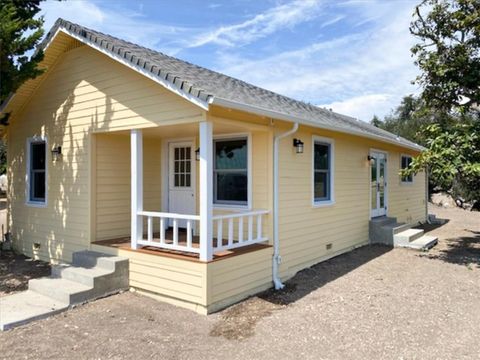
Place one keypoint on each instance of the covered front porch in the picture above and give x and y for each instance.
(194, 191)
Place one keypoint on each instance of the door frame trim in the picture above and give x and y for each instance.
(165, 168)
(374, 150)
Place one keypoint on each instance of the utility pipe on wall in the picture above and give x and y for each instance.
(276, 251)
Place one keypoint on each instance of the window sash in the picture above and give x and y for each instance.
(33, 171)
(327, 171)
(243, 172)
(405, 163)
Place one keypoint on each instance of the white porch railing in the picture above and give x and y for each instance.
(239, 230)
(175, 243)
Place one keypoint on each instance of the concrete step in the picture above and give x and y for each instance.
(85, 276)
(423, 243)
(90, 259)
(65, 291)
(92, 276)
(383, 220)
(26, 306)
(398, 228)
(407, 236)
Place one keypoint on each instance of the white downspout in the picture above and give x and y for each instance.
(276, 252)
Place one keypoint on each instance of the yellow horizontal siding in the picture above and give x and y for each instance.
(233, 279)
(85, 92)
(175, 278)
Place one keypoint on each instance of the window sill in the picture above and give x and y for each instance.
(320, 204)
(227, 207)
(36, 204)
(406, 183)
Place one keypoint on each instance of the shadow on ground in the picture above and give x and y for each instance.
(238, 322)
(16, 270)
(464, 250)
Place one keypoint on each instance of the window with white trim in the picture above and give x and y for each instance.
(37, 150)
(230, 171)
(322, 171)
(405, 163)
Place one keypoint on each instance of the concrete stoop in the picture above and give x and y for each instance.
(91, 275)
(386, 230)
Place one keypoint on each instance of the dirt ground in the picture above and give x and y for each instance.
(16, 270)
(373, 303)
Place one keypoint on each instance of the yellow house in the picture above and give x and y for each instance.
(214, 189)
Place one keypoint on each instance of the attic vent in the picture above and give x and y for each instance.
(328, 246)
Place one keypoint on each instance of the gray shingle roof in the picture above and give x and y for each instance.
(211, 86)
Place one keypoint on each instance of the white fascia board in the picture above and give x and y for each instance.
(166, 84)
(274, 114)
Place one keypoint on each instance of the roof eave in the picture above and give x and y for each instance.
(281, 116)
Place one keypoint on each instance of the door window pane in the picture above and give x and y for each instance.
(182, 166)
(374, 183)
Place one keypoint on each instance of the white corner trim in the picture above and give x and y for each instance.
(166, 84)
(331, 142)
(28, 202)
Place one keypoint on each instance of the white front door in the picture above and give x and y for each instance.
(181, 179)
(378, 183)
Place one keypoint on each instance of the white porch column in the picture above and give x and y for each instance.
(136, 151)
(206, 191)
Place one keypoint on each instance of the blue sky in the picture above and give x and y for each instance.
(349, 55)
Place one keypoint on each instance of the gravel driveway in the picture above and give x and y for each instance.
(373, 303)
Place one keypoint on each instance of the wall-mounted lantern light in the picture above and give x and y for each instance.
(370, 159)
(298, 146)
(56, 153)
(197, 154)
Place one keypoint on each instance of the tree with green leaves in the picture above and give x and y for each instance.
(408, 119)
(448, 53)
(20, 33)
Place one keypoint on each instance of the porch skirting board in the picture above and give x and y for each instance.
(199, 309)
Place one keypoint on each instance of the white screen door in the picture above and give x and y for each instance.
(378, 183)
(181, 180)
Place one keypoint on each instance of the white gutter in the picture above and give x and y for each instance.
(281, 116)
(276, 243)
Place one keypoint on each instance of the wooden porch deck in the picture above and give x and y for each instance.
(124, 244)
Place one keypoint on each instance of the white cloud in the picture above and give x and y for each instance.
(362, 107)
(364, 73)
(260, 25)
(125, 24)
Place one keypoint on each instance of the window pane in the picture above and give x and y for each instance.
(321, 156)
(177, 180)
(321, 186)
(38, 186)
(38, 156)
(187, 180)
(232, 187)
(187, 153)
(231, 154)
